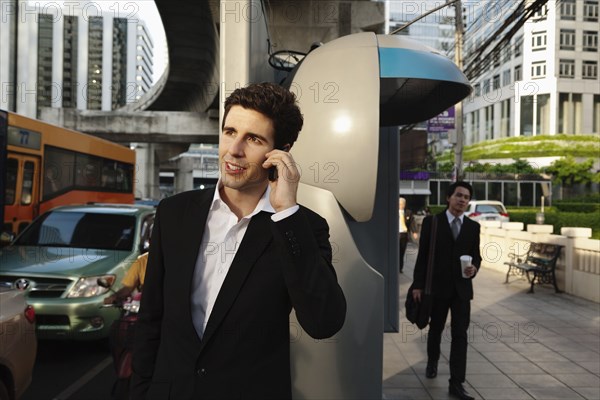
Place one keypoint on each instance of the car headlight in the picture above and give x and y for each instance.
(88, 287)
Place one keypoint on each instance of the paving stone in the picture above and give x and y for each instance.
(553, 394)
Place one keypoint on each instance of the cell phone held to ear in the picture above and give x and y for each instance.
(273, 175)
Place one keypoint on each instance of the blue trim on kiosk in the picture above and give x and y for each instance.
(408, 63)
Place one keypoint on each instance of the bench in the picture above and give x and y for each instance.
(540, 260)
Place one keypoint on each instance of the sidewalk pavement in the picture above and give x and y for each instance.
(521, 345)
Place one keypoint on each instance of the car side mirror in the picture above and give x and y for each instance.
(7, 238)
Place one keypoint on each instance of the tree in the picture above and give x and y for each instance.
(569, 172)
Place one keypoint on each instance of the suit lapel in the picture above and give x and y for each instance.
(444, 226)
(192, 228)
(255, 240)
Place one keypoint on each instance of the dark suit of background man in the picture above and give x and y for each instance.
(450, 290)
(226, 267)
(404, 221)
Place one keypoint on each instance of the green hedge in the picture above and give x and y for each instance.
(588, 198)
(557, 218)
(577, 207)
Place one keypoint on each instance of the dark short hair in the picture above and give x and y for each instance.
(273, 101)
(452, 188)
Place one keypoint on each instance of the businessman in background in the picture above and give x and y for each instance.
(456, 235)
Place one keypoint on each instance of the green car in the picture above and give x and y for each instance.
(59, 258)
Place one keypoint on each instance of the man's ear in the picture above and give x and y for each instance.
(286, 147)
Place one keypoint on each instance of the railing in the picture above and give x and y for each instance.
(578, 268)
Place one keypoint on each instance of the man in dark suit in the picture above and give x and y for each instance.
(226, 266)
(456, 235)
(404, 221)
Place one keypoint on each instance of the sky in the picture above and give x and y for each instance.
(142, 9)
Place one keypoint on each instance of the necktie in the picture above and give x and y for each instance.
(455, 227)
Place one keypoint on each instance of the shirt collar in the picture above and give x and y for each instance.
(264, 204)
(451, 217)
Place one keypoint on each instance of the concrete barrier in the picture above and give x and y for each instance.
(578, 268)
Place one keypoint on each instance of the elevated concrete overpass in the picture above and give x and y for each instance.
(183, 106)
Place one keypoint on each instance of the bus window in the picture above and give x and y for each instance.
(58, 171)
(12, 167)
(87, 171)
(27, 185)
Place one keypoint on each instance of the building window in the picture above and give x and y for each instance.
(496, 82)
(487, 85)
(567, 39)
(119, 64)
(475, 126)
(566, 69)
(568, 10)
(94, 89)
(527, 115)
(538, 41)
(518, 73)
(489, 122)
(589, 70)
(507, 53)
(496, 59)
(505, 118)
(538, 69)
(541, 13)
(590, 10)
(518, 46)
(590, 41)
(477, 90)
(44, 72)
(70, 83)
(506, 78)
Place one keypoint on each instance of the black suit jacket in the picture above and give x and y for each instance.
(447, 273)
(244, 352)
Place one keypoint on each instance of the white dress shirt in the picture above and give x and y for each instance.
(401, 222)
(222, 237)
(451, 218)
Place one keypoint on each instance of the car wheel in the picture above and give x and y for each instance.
(3, 392)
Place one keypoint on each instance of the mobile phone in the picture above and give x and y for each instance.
(273, 170)
(273, 174)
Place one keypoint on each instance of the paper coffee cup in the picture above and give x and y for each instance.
(465, 261)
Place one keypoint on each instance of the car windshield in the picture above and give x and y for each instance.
(489, 209)
(80, 229)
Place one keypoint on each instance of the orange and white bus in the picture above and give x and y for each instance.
(44, 166)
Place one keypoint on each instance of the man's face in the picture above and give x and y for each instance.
(458, 202)
(402, 204)
(246, 137)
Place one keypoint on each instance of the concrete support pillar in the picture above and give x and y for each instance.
(146, 172)
(184, 177)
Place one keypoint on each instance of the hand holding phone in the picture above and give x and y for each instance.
(273, 175)
(283, 191)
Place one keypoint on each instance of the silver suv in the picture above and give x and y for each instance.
(57, 261)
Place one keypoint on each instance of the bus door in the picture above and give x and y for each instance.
(21, 202)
